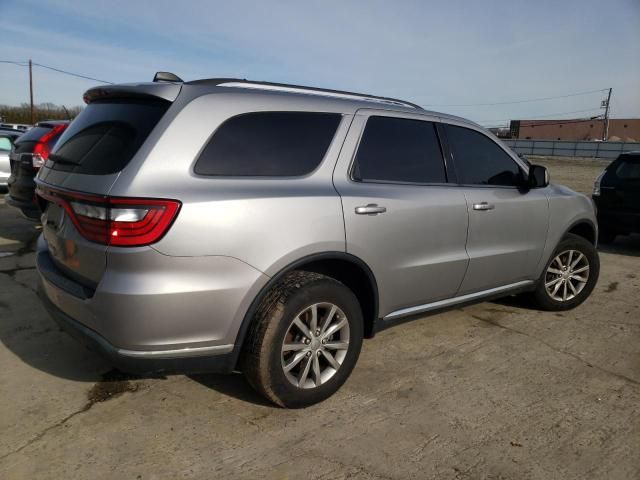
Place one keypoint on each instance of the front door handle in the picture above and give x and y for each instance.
(483, 206)
(371, 209)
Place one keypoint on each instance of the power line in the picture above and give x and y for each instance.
(26, 64)
(72, 74)
(22, 64)
(517, 101)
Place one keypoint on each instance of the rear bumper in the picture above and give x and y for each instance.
(217, 359)
(619, 221)
(154, 313)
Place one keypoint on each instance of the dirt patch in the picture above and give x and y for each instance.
(613, 286)
(113, 384)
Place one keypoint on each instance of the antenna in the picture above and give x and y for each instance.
(166, 77)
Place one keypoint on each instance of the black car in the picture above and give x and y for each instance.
(616, 193)
(28, 154)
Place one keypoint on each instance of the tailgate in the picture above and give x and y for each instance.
(81, 259)
(82, 168)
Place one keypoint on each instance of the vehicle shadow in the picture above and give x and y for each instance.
(37, 341)
(622, 245)
(233, 385)
(17, 232)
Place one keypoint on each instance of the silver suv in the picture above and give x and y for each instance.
(220, 225)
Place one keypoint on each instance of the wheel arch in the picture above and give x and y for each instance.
(584, 228)
(344, 267)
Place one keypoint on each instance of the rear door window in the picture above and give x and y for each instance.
(399, 150)
(276, 144)
(105, 136)
(480, 161)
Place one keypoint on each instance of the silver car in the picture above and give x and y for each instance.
(220, 225)
(7, 137)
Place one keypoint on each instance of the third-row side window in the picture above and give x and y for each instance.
(399, 150)
(273, 144)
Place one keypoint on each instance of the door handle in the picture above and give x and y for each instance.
(371, 209)
(483, 206)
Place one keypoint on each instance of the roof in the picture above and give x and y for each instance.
(170, 89)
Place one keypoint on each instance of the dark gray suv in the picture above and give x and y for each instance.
(221, 225)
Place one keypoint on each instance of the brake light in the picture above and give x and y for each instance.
(42, 150)
(124, 222)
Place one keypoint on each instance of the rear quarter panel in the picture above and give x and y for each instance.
(264, 222)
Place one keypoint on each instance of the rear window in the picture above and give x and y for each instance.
(33, 134)
(277, 144)
(629, 168)
(106, 136)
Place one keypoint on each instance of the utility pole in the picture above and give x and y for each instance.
(605, 130)
(31, 89)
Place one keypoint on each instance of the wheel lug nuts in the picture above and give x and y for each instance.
(324, 340)
(317, 332)
(307, 341)
(308, 354)
(318, 353)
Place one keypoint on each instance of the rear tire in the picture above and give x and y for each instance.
(570, 275)
(281, 344)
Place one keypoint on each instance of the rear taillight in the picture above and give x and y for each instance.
(596, 184)
(42, 149)
(124, 222)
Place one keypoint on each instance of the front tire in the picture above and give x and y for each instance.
(304, 341)
(570, 275)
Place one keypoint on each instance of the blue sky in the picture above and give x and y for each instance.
(435, 53)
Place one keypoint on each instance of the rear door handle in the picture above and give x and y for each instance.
(371, 209)
(483, 206)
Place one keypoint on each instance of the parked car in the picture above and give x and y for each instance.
(28, 154)
(7, 137)
(616, 193)
(221, 225)
(15, 126)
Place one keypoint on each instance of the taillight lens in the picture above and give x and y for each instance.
(596, 184)
(41, 150)
(124, 222)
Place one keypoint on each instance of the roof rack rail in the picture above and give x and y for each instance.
(284, 87)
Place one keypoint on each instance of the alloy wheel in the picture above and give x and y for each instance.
(567, 275)
(315, 345)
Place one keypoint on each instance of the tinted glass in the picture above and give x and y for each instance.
(33, 134)
(480, 161)
(629, 168)
(105, 137)
(399, 150)
(268, 144)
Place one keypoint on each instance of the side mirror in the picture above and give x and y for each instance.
(538, 176)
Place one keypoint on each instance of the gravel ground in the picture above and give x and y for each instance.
(488, 391)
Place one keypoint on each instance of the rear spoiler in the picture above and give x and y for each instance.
(161, 91)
